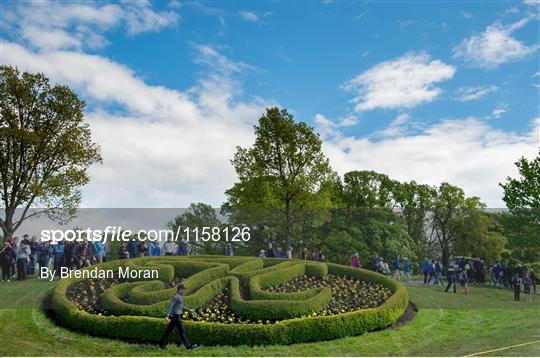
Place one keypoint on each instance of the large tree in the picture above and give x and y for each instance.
(522, 223)
(45, 149)
(524, 192)
(478, 234)
(415, 201)
(198, 216)
(284, 175)
(367, 189)
(367, 222)
(447, 210)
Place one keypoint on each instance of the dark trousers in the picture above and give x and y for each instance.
(22, 266)
(57, 263)
(450, 283)
(6, 270)
(174, 322)
(43, 261)
(516, 295)
(31, 265)
(425, 276)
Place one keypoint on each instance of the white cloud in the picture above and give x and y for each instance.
(348, 121)
(169, 148)
(499, 111)
(174, 4)
(495, 46)
(467, 152)
(328, 128)
(465, 94)
(249, 16)
(50, 25)
(325, 126)
(208, 56)
(140, 17)
(537, 85)
(51, 39)
(396, 127)
(404, 82)
(359, 16)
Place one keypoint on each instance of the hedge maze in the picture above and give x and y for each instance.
(237, 300)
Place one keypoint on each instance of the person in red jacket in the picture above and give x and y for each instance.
(355, 261)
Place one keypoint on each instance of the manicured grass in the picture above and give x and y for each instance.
(446, 324)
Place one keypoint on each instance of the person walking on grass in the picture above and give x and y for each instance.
(174, 315)
(424, 266)
(407, 270)
(451, 278)
(7, 258)
(516, 284)
(464, 282)
(533, 280)
(438, 268)
(23, 253)
(396, 266)
(527, 283)
(431, 276)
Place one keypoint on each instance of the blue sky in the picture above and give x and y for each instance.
(426, 91)
(303, 52)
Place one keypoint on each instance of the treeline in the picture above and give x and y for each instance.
(288, 194)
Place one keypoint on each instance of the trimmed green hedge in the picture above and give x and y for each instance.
(130, 324)
(283, 275)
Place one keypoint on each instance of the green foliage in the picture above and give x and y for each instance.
(366, 231)
(199, 215)
(522, 224)
(367, 189)
(283, 177)
(447, 209)
(45, 148)
(479, 235)
(525, 191)
(135, 321)
(415, 202)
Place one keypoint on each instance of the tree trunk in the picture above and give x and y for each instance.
(7, 224)
(288, 221)
(445, 252)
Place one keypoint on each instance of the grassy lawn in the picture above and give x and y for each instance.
(446, 324)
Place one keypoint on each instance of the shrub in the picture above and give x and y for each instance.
(137, 305)
(279, 276)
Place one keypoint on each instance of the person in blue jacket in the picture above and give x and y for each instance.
(228, 250)
(99, 251)
(58, 255)
(424, 266)
(438, 268)
(133, 248)
(396, 267)
(154, 249)
(431, 272)
(374, 262)
(407, 270)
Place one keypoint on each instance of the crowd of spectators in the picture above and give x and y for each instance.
(461, 271)
(20, 256)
